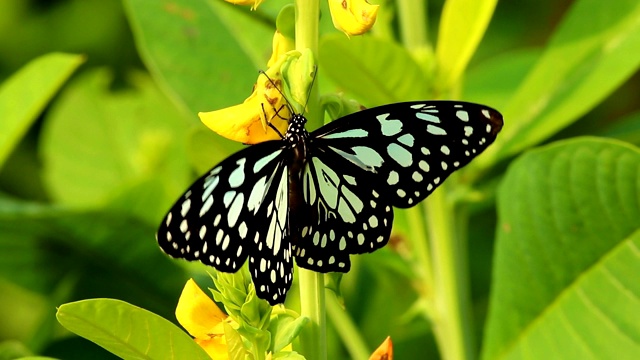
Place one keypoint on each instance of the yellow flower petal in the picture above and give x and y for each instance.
(384, 351)
(216, 347)
(248, 122)
(280, 46)
(254, 3)
(353, 17)
(198, 314)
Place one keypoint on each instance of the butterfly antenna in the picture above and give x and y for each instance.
(280, 91)
(313, 81)
(270, 124)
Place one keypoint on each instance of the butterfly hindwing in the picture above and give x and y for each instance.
(237, 209)
(411, 147)
(271, 263)
(346, 213)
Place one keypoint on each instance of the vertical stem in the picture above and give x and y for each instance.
(346, 328)
(313, 338)
(453, 328)
(413, 23)
(414, 29)
(451, 308)
(312, 296)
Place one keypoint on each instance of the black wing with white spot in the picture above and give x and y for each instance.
(237, 210)
(409, 148)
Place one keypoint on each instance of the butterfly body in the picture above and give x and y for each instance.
(320, 197)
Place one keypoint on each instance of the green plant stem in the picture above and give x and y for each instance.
(414, 29)
(452, 325)
(420, 249)
(347, 330)
(313, 339)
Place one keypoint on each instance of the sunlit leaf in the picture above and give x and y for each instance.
(583, 63)
(128, 331)
(284, 329)
(462, 26)
(201, 61)
(26, 93)
(376, 71)
(97, 143)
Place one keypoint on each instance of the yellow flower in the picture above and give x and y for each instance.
(254, 3)
(384, 351)
(353, 17)
(249, 122)
(200, 316)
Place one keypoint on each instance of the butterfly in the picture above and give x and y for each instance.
(319, 197)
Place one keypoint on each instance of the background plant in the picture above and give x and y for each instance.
(90, 163)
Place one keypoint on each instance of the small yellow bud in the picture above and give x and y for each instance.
(254, 3)
(353, 17)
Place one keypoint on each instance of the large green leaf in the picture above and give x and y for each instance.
(128, 331)
(566, 266)
(201, 57)
(97, 143)
(462, 26)
(26, 93)
(595, 49)
(376, 71)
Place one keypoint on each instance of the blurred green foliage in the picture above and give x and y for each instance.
(89, 163)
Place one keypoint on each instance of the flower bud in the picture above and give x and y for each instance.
(353, 17)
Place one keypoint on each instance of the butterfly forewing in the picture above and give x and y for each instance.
(238, 209)
(363, 164)
(412, 147)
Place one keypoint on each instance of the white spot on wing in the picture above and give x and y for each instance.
(462, 115)
(435, 130)
(186, 205)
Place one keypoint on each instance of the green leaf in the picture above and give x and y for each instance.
(128, 331)
(187, 45)
(257, 43)
(97, 143)
(235, 346)
(259, 339)
(288, 355)
(284, 328)
(493, 81)
(565, 274)
(462, 26)
(376, 71)
(583, 63)
(27, 92)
